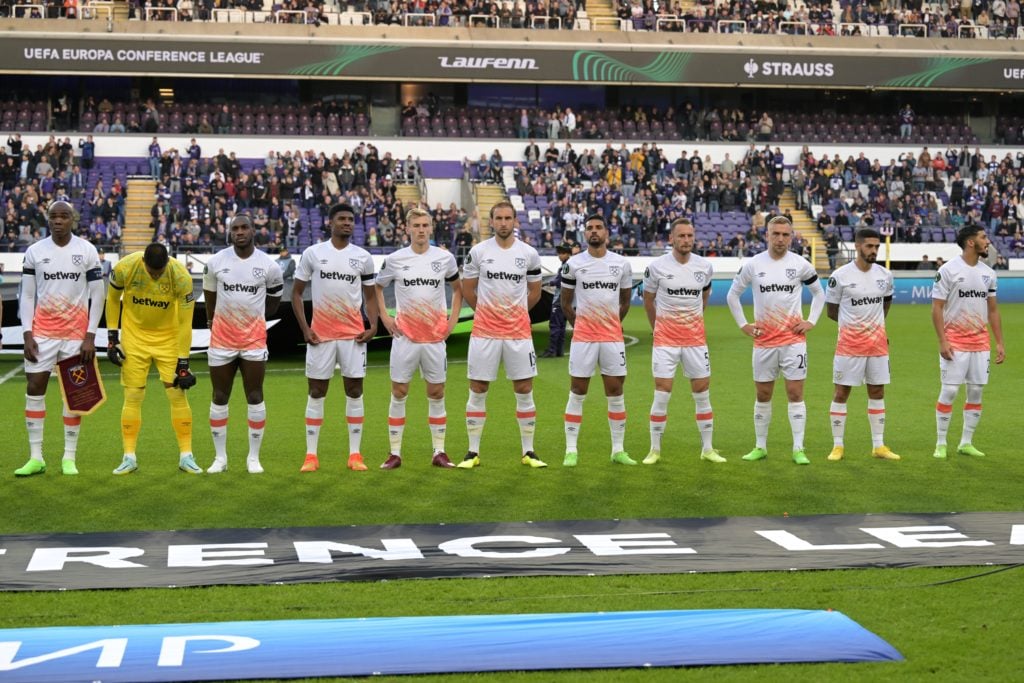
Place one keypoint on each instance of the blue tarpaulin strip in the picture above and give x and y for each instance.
(419, 645)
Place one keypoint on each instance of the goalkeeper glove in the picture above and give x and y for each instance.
(115, 352)
(183, 378)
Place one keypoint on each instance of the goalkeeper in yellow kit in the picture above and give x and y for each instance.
(152, 297)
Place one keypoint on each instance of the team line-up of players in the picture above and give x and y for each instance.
(149, 305)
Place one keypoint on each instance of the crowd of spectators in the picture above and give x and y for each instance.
(982, 18)
(922, 196)
(947, 19)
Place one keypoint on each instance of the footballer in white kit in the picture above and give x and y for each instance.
(596, 290)
(421, 274)
(676, 290)
(60, 303)
(340, 275)
(501, 281)
(242, 289)
(858, 298)
(778, 277)
(963, 307)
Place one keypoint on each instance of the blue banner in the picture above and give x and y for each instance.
(908, 290)
(416, 645)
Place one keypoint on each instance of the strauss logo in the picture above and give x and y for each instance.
(751, 68)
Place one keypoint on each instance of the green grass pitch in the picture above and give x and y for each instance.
(948, 631)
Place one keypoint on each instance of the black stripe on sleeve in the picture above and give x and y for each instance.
(452, 278)
(535, 271)
(275, 290)
(369, 277)
(28, 271)
(568, 281)
(811, 280)
(93, 274)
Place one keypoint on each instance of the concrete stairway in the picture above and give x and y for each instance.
(137, 232)
(486, 197)
(804, 224)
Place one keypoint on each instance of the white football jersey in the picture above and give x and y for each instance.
(678, 290)
(242, 287)
(422, 307)
(966, 290)
(336, 277)
(778, 293)
(501, 292)
(597, 282)
(861, 297)
(60, 276)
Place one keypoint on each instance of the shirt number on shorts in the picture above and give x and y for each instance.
(533, 359)
(803, 360)
(623, 355)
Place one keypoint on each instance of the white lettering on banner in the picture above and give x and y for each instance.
(923, 537)
(172, 653)
(604, 545)
(111, 654)
(502, 63)
(1017, 534)
(54, 559)
(1013, 74)
(465, 547)
(132, 55)
(319, 552)
(792, 542)
(216, 555)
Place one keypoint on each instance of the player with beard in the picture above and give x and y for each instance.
(963, 307)
(599, 282)
(242, 288)
(858, 298)
(501, 283)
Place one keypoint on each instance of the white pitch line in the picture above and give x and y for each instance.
(10, 374)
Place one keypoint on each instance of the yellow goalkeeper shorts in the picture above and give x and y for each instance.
(139, 357)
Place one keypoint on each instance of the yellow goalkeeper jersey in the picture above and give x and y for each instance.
(151, 312)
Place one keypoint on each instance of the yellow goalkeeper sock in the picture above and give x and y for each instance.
(181, 418)
(131, 417)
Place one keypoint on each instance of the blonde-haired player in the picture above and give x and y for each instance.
(422, 323)
(151, 297)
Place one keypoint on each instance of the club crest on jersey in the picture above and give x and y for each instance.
(436, 266)
(614, 270)
(78, 259)
(881, 284)
(164, 288)
(258, 272)
(354, 263)
(699, 277)
(520, 262)
(986, 279)
(791, 273)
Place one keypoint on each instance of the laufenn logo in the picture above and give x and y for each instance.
(502, 63)
(146, 301)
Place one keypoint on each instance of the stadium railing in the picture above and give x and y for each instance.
(160, 13)
(99, 9)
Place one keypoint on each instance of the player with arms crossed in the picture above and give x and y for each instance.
(778, 277)
(61, 302)
(340, 275)
(963, 306)
(420, 327)
(501, 282)
(858, 298)
(599, 282)
(676, 290)
(243, 288)
(151, 295)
